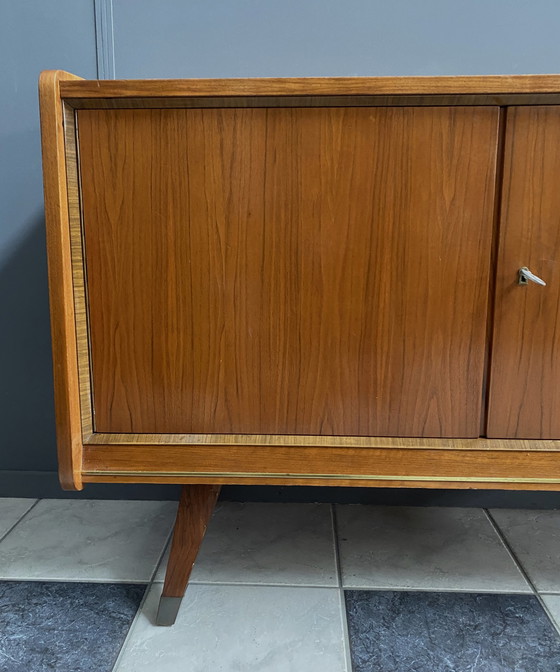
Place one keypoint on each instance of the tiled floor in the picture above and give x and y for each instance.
(280, 588)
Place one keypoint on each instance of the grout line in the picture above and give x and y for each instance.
(521, 569)
(437, 589)
(335, 546)
(342, 599)
(160, 558)
(149, 587)
(18, 521)
(263, 584)
(548, 612)
(120, 654)
(345, 632)
(84, 579)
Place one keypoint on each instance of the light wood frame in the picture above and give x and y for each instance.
(87, 456)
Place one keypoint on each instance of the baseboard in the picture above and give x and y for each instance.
(495, 499)
(44, 484)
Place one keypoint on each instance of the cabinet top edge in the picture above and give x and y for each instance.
(306, 86)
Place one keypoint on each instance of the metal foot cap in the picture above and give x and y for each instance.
(168, 610)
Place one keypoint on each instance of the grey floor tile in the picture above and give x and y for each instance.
(84, 540)
(11, 510)
(71, 627)
(552, 603)
(450, 632)
(162, 566)
(424, 549)
(534, 537)
(274, 544)
(229, 628)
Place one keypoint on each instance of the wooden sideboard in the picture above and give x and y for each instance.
(303, 281)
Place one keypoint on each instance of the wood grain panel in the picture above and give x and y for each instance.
(288, 271)
(196, 506)
(457, 99)
(525, 372)
(319, 465)
(310, 86)
(352, 442)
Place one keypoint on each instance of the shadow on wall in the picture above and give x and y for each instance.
(28, 430)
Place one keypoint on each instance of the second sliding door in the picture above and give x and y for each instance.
(288, 270)
(526, 341)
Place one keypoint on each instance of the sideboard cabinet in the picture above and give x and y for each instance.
(348, 281)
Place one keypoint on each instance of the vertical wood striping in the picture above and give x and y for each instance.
(289, 271)
(78, 272)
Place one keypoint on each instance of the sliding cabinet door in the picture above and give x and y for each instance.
(525, 373)
(317, 271)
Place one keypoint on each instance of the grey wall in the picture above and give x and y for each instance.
(268, 38)
(33, 36)
(207, 38)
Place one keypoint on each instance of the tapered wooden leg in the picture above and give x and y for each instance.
(196, 505)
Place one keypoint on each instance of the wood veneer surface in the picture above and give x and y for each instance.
(288, 271)
(308, 86)
(63, 330)
(525, 372)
